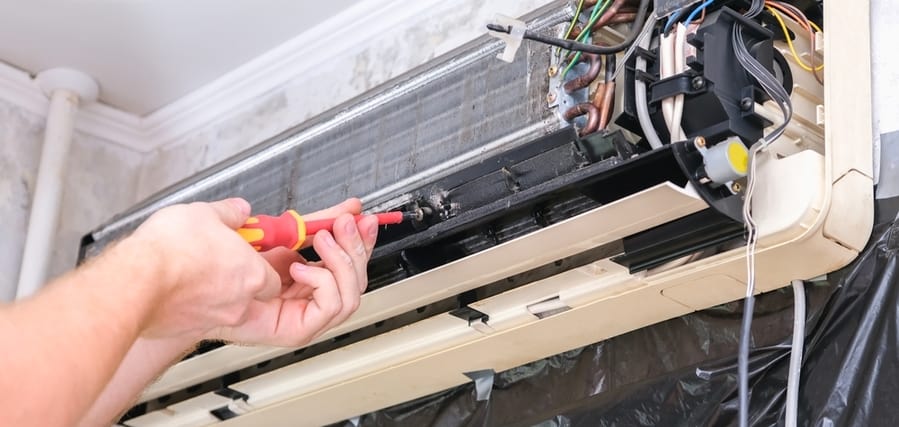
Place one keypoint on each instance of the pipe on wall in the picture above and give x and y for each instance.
(67, 89)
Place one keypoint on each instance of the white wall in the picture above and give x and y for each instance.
(21, 133)
(101, 180)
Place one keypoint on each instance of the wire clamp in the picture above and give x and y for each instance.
(512, 38)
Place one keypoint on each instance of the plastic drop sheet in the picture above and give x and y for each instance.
(682, 372)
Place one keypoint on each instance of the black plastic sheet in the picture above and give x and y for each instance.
(682, 372)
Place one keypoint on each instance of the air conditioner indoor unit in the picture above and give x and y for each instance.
(554, 225)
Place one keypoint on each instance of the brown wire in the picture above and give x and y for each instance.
(812, 43)
(797, 16)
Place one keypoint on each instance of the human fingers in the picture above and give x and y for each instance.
(281, 258)
(351, 206)
(342, 267)
(232, 212)
(346, 233)
(271, 285)
(303, 318)
(368, 229)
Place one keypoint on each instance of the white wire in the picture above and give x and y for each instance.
(680, 65)
(649, 132)
(666, 69)
(792, 412)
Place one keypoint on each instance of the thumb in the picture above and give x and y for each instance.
(233, 212)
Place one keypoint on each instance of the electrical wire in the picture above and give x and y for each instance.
(778, 94)
(577, 14)
(649, 132)
(666, 70)
(797, 15)
(672, 19)
(582, 47)
(755, 8)
(696, 11)
(773, 88)
(644, 32)
(783, 26)
(792, 406)
(680, 65)
(749, 300)
(597, 11)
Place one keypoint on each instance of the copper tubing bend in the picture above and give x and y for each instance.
(585, 79)
(609, 14)
(592, 117)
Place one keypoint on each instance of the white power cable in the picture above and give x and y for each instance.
(792, 412)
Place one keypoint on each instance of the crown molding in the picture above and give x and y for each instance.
(307, 52)
(107, 123)
(227, 95)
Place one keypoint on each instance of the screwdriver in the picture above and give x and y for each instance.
(290, 230)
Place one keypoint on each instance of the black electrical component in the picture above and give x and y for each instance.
(719, 95)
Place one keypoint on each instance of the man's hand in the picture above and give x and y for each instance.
(214, 285)
(314, 297)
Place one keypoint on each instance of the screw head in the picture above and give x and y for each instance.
(697, 83)
(699, 141)
(552, 71)
(550, 97)
(736, 187)
(746, 104)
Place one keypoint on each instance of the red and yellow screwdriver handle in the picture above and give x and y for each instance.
(266, 232)
(290, 229)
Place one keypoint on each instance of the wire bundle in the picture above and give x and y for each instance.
(799, 17)
(578, 46)
(779, 95)
(584, 35)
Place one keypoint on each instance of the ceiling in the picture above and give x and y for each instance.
(148, 53)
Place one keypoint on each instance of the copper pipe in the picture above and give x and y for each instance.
(623, 18)
(609, 14)
(599, 95)
(592, 117)
(585, 79)
(605, 114)
(620, 18)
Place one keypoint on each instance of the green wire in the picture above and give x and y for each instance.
(594, 16)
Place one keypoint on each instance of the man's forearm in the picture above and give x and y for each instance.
(63, 345)
(145, 361)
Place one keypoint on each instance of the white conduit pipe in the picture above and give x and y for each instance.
(66, 89)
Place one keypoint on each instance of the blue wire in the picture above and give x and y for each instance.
(671, 19)
(696, 11)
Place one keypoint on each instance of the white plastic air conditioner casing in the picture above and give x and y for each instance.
(815, 213)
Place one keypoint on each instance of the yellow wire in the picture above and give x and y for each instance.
(577, 13)
(783, 26)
